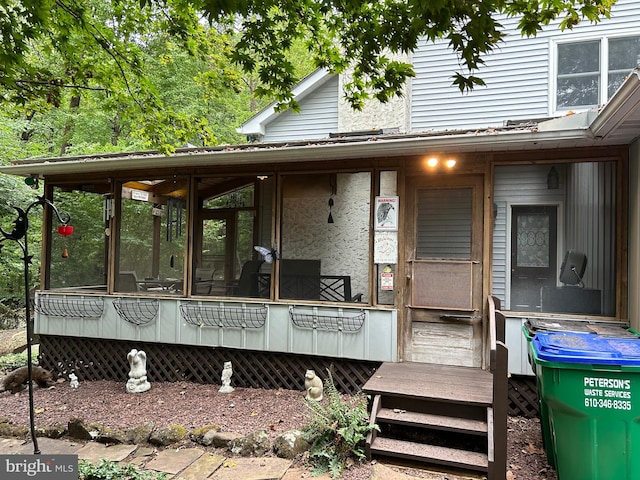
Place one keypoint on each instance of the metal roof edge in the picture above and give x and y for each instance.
(308, 152)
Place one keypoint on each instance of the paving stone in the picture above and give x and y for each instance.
(296, 473)
(94, 452)
(174, 461)
(252, 469)
(201, 468)
(50, 446)
(142, 455)
(11, 445)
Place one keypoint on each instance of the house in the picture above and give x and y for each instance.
(355, 240)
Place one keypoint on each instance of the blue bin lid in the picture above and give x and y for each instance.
(573, 347)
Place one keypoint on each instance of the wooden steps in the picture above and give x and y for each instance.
(437, 422)
(436, 454)
(444, 415)
(433, 414)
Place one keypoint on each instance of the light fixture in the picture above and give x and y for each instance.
(262, 177)
(432, 162)
(450, 163)
(553, 179)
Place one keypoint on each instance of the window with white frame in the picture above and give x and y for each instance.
(589, 72)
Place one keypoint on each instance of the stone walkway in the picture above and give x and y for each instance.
(192, 463)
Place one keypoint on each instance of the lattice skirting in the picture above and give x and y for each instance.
(523, 397)
(94, 359)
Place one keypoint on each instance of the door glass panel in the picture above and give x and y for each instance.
(533, 240)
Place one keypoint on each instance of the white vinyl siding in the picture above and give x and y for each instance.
(516, 185)
(519, 75)
(318, 117)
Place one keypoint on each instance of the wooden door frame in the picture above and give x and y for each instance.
(476, 181)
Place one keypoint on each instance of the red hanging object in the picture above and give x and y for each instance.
(65, 230)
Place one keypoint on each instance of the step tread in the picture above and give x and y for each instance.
(429, 420)
(430, 453)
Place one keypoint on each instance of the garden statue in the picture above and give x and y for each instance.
(227, 371)
(137, 382)
(73, 381)
(313, 386)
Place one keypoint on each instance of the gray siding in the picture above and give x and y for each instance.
(590, 225)
(317, 119)
(513, 185)
(518, 76)
(225, 324)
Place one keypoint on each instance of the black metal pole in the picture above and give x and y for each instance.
(27, 303)
(19, 232)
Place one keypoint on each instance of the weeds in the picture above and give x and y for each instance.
(108, 470)
(337, 430)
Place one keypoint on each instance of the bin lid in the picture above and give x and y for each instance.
(573, 347)
(617, 329)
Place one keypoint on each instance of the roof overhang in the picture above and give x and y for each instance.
(312, 151)
(616, 124)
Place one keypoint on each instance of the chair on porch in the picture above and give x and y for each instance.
(247, 285)
(300, 279)
(128, 282)
(203, 284)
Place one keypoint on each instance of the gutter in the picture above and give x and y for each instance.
(621, 105)
(303, 152)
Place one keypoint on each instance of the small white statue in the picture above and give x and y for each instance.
(227, 371)
(137, 382)
(313, 386)
(73, 381)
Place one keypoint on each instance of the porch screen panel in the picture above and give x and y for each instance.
(443, 227)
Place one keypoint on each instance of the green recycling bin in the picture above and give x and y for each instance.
(590, 385)
(534, 326)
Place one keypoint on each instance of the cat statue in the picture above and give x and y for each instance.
(313, 386)
(73, 380)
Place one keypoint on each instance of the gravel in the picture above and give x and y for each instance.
(242, 411)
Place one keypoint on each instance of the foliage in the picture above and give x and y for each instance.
(59, 52)
(109, 470)
(11, 361)
(337, 430)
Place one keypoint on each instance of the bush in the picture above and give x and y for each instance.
(108, 470)
(338, 429)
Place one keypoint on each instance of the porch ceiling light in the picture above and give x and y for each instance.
(450, 163)
(432, 162)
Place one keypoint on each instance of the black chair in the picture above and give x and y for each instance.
(300, 279)
(247, 285)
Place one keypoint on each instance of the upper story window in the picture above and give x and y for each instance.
(589, 72)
